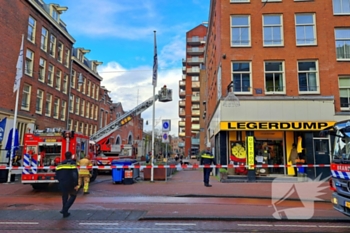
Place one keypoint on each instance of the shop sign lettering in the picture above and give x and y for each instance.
(275, 125)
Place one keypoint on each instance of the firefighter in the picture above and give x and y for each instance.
(207, 158)
(84, 174)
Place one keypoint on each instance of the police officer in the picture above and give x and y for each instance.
(207, 158)
(84, 174)
(67, 176)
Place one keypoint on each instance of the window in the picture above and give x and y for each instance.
(271, 1)
(42, 68)
(29, 63)
(97, 93)
(72, 83)
(87, 109)
(86, 129)
(91, 111)
(241, 76)
(31, 29)
(56, 108)
(70, 124)
(272, 25)
(82, 109)
(77, 103)
(239, 1)
(66, 57)
(48, 103)
(58, 80)
(274, 77)
(50, 75)
(26, 97)
(84, 86)
(81, 127)
(76, 126)
(52, 48)
(71, 103)
(39, 101)
(65, 84)
(344, 93)
(60, 52)
(341, 7)
(240, 30)
(96, 112)
(305, 29)
(89, 88)
(54, 14)
(93, 91)
(308, 76)
(342, 43)
(43, 42)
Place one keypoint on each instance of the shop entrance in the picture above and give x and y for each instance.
(270, 152)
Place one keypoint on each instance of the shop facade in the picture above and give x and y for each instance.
(272, 126)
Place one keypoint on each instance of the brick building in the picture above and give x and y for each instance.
(287, 61)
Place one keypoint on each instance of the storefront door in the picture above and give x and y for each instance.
(322, 156)
(272, 152)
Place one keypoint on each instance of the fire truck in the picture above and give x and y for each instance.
(44, 149)
(340, 166)
(108, 152)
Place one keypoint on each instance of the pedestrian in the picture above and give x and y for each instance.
(207, 158)
(84, 174)
(293, 156)
(67, 176)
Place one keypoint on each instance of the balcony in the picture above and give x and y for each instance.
(195, 51)
(182, 94)
(195, 119)
(195, 127)
(182, 84)
(182, 124)
(196, 113)
(196, 40)
(182, 134)
(184, 69)
(195, 85)
(195, 107)
(182, 112)
(181, 145)
(182, 103)
(183, 77)
(194, 61)
(193, 71)
(195, 141)
(194, 98)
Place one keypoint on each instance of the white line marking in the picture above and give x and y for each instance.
(295, 225)
(335, 226)
(176, 224)
(98, 223)
(19, 223)
(255, 225)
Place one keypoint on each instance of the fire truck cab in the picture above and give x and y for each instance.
(45, 149)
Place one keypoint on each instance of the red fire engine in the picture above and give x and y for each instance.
(43, 150)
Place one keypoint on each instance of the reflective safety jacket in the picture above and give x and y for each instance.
(67, 175)
(207, 159)
(84, 162)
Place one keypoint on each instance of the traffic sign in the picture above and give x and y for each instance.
(166, 125)
(165, 137)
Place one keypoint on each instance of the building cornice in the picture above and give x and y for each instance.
(86, 68)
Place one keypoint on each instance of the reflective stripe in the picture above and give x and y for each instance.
(66, 166)
(207, 156)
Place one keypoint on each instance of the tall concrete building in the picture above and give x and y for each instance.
(287, 62)
(189, 89)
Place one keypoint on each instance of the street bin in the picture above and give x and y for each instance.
(117, 173)
(128, 176)
(120, 176)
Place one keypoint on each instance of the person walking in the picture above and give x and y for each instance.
(293, 156)
(207, 158)
(67, 176)
(84, 174)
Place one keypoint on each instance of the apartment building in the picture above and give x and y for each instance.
(189, 90)
(287, 62)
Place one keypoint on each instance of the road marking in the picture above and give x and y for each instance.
(335, 226)
(176, 224)
(255, 225)
(295, 225)
(98, 223)
(19, 223)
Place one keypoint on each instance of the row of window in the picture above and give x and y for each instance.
(55, 48)
(305, 27)
(82, 127)
(275, 80)
(90, 89)
(340, 7)
(88, 110)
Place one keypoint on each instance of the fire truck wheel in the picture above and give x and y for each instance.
(94, 175)
(39, 186)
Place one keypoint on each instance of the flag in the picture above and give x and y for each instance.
(155, 63)
(19, 67)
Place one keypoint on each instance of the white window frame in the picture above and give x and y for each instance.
(97, 92)
(66, 57)
(56, 108)
(65, 84)
(39, 101)
(31, 29)
(309, 72)
(77, 105)
(42, 70)
(43, 41)
(48, 104)
(275, 90)
(241, 28)
(87, 109)
(341, 8)
(58, 79)
(271, 27)
(82, 108)
(26, 97)
(241, 92)
(71, 104)
(303, 26)
(52, 47)
(72, 83)
(70, 124)
(60, 49)
(344, 89)
(50, 75)
(345, 41)
(29, 63)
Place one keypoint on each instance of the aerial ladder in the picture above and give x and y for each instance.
(101, 137)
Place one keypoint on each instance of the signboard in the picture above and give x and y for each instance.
(250, 152)
(165, 137)
(166, 125)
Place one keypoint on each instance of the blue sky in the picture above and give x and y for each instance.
(120, 34)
